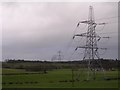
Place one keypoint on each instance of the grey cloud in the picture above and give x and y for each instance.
(39, 30)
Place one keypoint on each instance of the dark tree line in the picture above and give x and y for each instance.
(45, 66)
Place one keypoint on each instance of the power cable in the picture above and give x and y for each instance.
(107, 18)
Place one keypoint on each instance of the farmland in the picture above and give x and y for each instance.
(57, 78)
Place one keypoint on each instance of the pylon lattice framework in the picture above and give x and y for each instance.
(91, 48)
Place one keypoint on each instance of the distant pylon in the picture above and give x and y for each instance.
(91, 49)
(58, 57)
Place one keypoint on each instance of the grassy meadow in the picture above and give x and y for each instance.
(58, 78)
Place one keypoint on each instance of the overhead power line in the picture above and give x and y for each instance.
(107, 18)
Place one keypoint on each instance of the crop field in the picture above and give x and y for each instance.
(59, 78)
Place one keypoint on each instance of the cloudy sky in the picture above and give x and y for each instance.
(36, 30)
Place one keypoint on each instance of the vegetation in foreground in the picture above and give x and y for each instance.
(59, 76)
(56, 78)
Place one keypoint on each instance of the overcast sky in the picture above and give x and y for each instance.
(37, 31)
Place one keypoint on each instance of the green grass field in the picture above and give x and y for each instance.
(61, 78)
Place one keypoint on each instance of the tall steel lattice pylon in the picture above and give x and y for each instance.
(91, 49)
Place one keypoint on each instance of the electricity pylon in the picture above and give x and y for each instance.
(91, 49)
(58, 57)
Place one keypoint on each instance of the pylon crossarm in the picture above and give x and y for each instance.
(106, 37)
(87, 47)
(87, 22)
(90, 47)
(101, 23)
(103, 48)
(85, 35)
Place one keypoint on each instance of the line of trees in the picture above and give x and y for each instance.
(45, 66)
